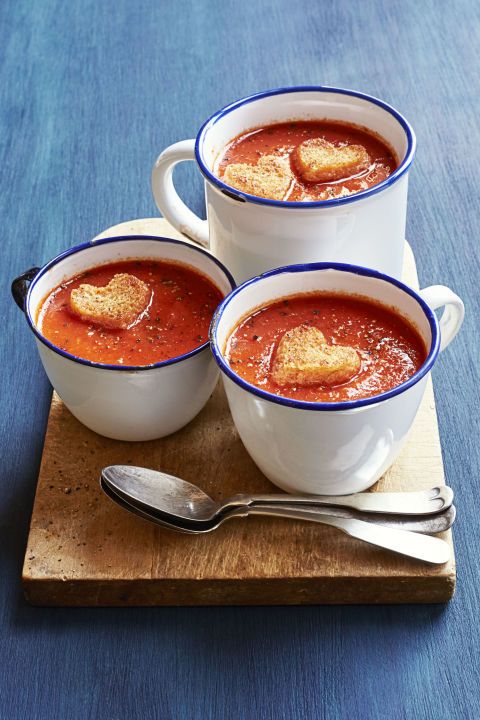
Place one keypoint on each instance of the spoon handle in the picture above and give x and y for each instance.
(421, 547)
(427, 524)
(425, 502)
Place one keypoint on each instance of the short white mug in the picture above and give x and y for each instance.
(123, 402)
(250, 234)
(330, 448)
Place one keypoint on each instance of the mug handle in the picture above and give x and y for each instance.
(452, 317)
(168, 200)
(21, 284)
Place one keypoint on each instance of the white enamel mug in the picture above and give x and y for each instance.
(252, 234)
(119, 401)
(330, 448)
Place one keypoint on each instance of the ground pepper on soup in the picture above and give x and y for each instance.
(305, 160)
(341, 348)
(166, 309)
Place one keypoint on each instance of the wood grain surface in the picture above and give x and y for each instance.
(90, 93)
(84, 550)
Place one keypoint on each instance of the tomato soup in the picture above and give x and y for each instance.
(281, 140)
(175, 322)
(389, 348)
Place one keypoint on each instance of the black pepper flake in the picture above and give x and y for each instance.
(255, 337)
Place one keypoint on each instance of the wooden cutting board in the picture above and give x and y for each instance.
(84, 550)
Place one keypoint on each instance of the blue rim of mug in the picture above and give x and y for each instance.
(333, 202)
(106, 241)
(328, 406)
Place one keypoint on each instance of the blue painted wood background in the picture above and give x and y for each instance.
(90, 92)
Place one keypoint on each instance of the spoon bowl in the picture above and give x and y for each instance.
(160, 491)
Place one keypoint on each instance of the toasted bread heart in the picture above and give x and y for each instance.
(304, 358)
(317, 160)
(269, 178)
(116, 305)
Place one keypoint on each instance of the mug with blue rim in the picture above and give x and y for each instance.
(251, 234)
(330, 448)
(123, 402)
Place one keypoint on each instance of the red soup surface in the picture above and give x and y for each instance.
(390, 349)
(176, 321)
(281, 139)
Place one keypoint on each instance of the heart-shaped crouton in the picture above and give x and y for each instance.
(269, 178)
(304, 358)
(318, 160)
(116, 305)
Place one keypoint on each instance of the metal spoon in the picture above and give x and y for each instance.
(426, 524)
(412, 544)
(177, 497)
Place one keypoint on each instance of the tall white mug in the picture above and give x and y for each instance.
(251, 234)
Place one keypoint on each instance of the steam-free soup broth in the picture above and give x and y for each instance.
(135, 312)
(325, 348)
(306, 161)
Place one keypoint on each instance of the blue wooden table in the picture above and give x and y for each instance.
(90, 92)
